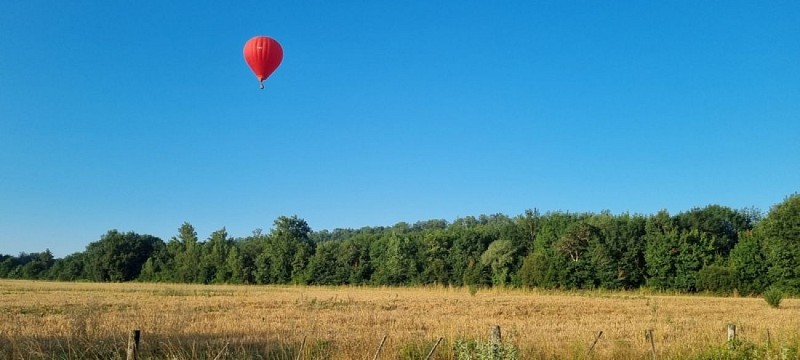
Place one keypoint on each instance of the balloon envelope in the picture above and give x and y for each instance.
(263, 54)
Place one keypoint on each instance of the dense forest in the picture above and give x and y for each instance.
(715, 249)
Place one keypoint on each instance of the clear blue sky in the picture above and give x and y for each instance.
(141, 115)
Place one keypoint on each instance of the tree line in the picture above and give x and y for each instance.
(714, 248)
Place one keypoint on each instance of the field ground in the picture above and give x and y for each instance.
(84, 320)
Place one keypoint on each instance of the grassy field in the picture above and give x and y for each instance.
(81, 320)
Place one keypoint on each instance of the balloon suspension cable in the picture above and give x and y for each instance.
(261, 84)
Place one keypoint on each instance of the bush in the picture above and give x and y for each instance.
(773, 296)
(475, 350)
(716, 279)
(740, 350)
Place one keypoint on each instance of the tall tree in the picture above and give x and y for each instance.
(434, 248)
(749, 264)
(536, 270)
(780, 230)
(465, 251)
(661, 251)
(399, 264)
(37, 265)
(70, 268)
(353, 259)
(288, 249)
(499, 257)
(720, 225)
(582, 249)
(323, 268)
(215, 255)
(119, 256)
(185, 253)
(624, 246)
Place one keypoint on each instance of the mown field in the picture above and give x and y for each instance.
(50, 320)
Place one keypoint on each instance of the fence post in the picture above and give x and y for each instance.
(133, 345)
(648, 335)
(732, 335)
(495, 341)
(769, 341)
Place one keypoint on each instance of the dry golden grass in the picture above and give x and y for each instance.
(82, 320)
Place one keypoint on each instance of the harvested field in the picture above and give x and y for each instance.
(84, 320)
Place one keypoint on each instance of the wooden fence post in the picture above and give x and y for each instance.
(495, 341)
(133, 345)
(769, 341)
(648, 335)
(732, 335)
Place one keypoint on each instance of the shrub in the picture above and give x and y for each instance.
(716, 279)
(475, 350)
(773, 296)
(739, 350)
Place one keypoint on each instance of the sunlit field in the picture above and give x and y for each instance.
(83, 320)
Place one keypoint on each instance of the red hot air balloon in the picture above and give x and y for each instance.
(263, 54)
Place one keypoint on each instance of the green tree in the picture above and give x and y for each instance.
(477, 275)
(398, 265)
(119, 256)
(675, 254)
(551, 227)
(695, 251)
(251, 249)
(749, 264)
(214, 258)
(465, 251)
(718, 224)
(185, 252)
(7, 266)
(581, 247)
(576, 240)
(38, 265)
(780, 230)
(70, 268)
(302, 254)
(287, 250)
(499, 257)
(323, 268)
(434, 250)
(661, 251)
(156, 268)
(262, 272)
(536, 270)
(353, 258)
(149, 272)
(530, 222)
(620, 261)
(235, 266)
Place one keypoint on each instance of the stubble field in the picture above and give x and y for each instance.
(83, 320)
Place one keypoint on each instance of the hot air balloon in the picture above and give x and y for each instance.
(263, 54)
